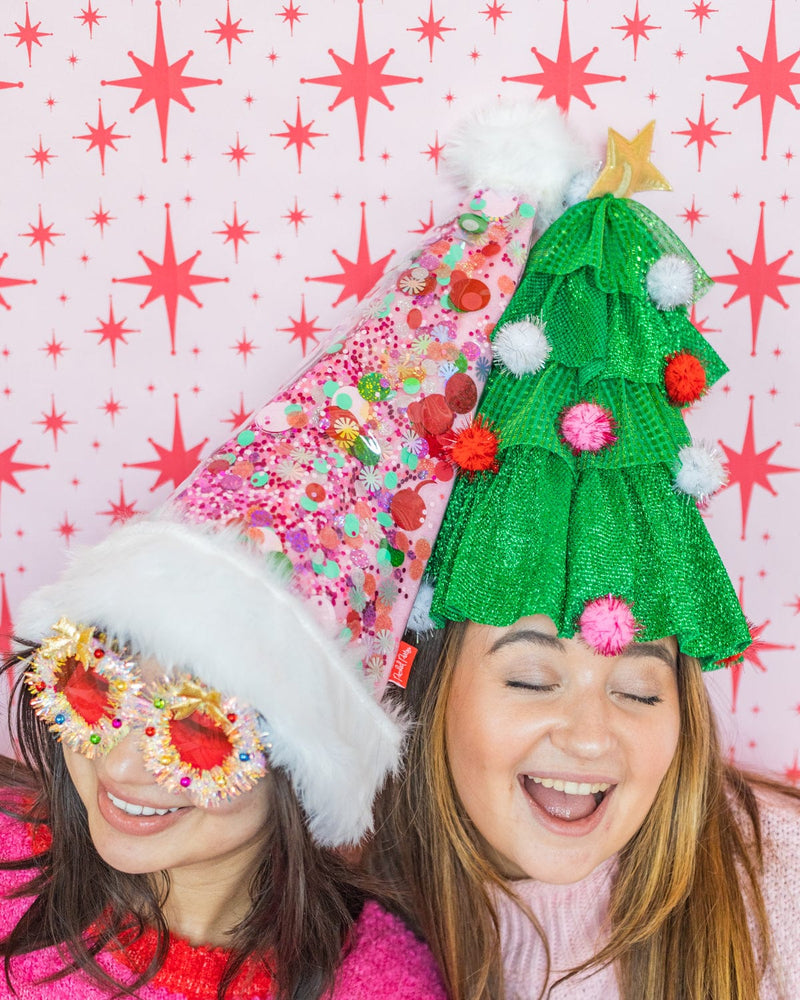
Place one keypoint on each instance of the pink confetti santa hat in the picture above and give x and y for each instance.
(336, 488)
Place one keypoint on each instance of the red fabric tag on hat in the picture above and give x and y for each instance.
(403, 662)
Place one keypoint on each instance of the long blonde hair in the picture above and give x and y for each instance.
(678, 920)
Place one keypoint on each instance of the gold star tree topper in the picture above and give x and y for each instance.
(628, 168)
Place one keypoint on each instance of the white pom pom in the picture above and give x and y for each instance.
(522, 347)
(701, 471)
(670, 281)
(515, 147)
(420, 618)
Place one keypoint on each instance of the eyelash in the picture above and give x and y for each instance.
(652, 699)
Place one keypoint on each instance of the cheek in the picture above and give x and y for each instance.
(83, 774)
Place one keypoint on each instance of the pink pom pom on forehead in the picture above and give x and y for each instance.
(607, 625)
(587, 427)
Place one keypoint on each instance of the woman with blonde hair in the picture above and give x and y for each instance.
(567, 825)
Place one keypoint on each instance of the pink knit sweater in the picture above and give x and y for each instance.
(384, 959)
(572, 918)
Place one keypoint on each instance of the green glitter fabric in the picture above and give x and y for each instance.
(553, 529)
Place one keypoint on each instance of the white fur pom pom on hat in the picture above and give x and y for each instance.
(521, 148)
(420, 618)
(522, 347)
(701, 471)
(670, 281)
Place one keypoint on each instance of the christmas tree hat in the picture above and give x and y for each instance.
(580, 484)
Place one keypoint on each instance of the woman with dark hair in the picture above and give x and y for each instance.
(567, 825)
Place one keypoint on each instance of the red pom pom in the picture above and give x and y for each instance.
(587, 427)
(684, 378)
(473, 448)
(607, 625)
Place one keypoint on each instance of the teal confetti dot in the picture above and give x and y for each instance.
(445, 303)
(526, 211)
(259, 479)
(453, 255)
(390, 480)
(292, 408)
(352, 525)
(320, 465)
(386, 306)
(334, 348)
(346, 634)
(382, 556)
(336, 458)
(331, 569)
(384, 519)
(317, 567)
(308, 504)
(410, 459)
(229, 457)
(411, 386)
(330, 388)
(477, 203)
(245, 438)
(344, 400)
(443, 279)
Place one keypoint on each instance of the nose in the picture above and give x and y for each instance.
(584, 726)
(124, 763)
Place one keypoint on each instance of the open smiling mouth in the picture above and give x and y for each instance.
(568, 801)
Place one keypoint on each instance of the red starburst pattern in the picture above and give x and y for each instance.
(229, 31)
(767, 78)
(434, 151)
(54, 423)
(425, 225)
(359, 276)
(41, 234)
(792, 773)
(6, 629)
(41, 156)
(750, 468)
(303, 329)
(112, 331)
(90, 18)
(431, 30)
(161, 82)
(170, 279)
(101, 137)
(692, 215)
(701, 132)
(101, 218)
(563, 78)
(66, 529)
(10, 282)
(238, 417)
(238, 154)
(291, 15)
(235, 232)
(28, 34)
(701, 11)
(244, 347)
(112, 407)
(296, 216)
(9, 468)
(298, 135)
(174, 463)
(752, 654)
(361, 81)
(758, 279)
(54, 348)
(701, 325)
(495, 12)
(636, 27)
(121, 511)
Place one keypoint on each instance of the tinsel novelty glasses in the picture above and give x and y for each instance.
(91, 694)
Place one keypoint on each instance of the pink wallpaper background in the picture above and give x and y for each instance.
(194, 192)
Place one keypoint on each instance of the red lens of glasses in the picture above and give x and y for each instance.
(85, 690)
(200, 741)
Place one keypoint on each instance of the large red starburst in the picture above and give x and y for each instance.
(701, 132)
(430, 30)
(303, 329)
(758, 279)
(229, 31)
(120, 511)
(752, 654)
(238, 417)
(10, 282)
(101, 137)
(563, 78)
(749, 468)
(170, 279)
(112, 331)
(235, 232)
(8, 467)
(90, 18)
(41, 234)
(28, 34)
(361, 81)
(636, 27)
(161, 81)
(174, 463)
(359, 276)
(298, 135)
(767, 78)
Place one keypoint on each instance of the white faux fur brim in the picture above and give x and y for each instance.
(201, 601)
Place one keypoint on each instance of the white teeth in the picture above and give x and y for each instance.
(134, 810)
(571, 787)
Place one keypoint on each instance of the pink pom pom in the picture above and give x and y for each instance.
(607, 625)
(587, 427)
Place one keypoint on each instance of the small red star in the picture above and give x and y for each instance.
(652, 97)
(700, 11)
(174, 463)
(141, 197)
(73, 60)
(229, 32)
(84, 258)
(434, 152)
(303, 329)
(495, 12)
(112, 331)
(249, 100)
(41, 234)
(244, 347)
(785, 198)
(425, 225)
(187, 199)
(788, 156)
(120, 511)
(187, 157)
(474, 55)
(431, 30)
(101, 137)
(298, 135)
(90, 18)
(41, 156)
(54, 423)
(679, 53)
(449, 97)
(273, 56)
(112, 407)
(277, 256)
(28, 34)
(54, 349)
(701, 132)
(736, 195)
(235, 232)
(66, 529)
(792, 773)
(296, 216)
(384, 197)
(50, 102)
(237, 154)
(240, 416)
(337, 196)
(636, 27)
(291, 15)
(692, 215)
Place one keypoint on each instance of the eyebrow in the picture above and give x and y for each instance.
(635, 650)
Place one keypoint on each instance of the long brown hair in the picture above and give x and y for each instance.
(304, 898)
(678, 920)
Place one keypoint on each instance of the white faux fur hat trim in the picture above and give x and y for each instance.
(521, 148)
(200, 600)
